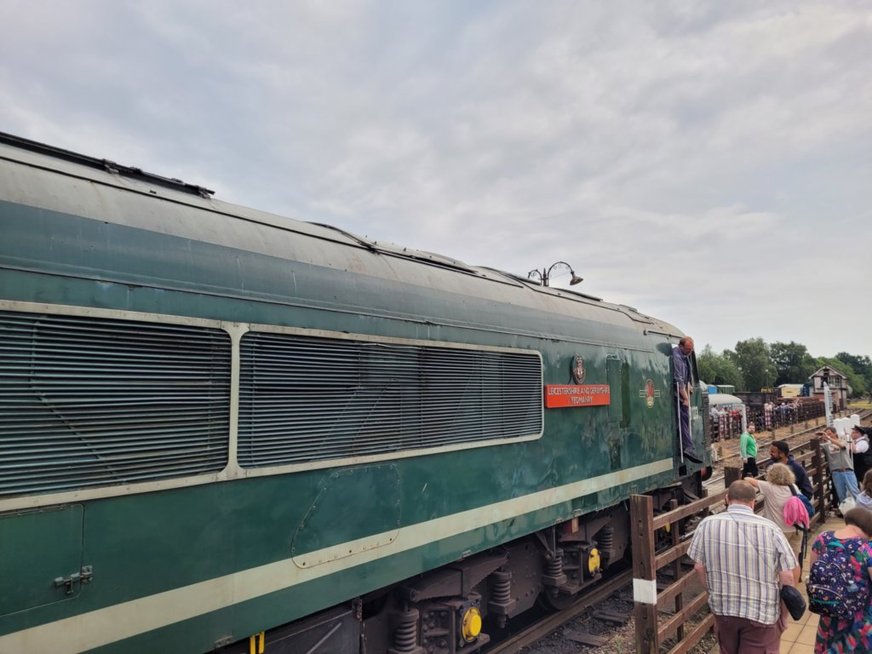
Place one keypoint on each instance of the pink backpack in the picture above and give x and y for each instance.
(795, 514)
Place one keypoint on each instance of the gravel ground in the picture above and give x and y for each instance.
(621, 639)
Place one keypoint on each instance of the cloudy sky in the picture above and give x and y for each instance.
(709, 163)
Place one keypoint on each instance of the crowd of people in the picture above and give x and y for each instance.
(749, 562)
(726, 420)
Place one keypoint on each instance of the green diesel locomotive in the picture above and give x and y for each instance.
(223, 430)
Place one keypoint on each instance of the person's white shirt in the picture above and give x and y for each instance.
(860, 445)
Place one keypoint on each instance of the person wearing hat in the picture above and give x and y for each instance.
(860, 448)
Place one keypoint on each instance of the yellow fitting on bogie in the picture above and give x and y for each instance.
(471, 626)
(593, 561)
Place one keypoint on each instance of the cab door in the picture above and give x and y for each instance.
(617, 374)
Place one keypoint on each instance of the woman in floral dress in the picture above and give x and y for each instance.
(854, 635)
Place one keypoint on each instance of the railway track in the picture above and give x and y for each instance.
(532, 634)
(542, 628)
(796, 438)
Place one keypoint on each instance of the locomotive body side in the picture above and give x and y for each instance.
(220, 421)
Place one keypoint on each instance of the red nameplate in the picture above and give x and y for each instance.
(561, 396)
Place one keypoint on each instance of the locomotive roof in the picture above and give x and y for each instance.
(242, 227)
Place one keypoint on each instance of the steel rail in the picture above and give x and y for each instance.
(714, 480)
(542, 628)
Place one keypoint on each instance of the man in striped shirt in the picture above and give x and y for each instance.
(743, 559)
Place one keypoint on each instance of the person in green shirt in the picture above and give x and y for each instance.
(748, 451)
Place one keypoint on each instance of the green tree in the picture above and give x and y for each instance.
(754, 362)
(717, 369)
(793, 363)
(861, 365)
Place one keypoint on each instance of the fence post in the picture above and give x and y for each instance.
(731, 474)
(676, 569)
(818, 460)
(644, 574)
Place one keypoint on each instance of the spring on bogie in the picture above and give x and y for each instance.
(606, 539)
(501, 588)
(406, 633)
(554, 566)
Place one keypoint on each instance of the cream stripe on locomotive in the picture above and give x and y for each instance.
(120, 621)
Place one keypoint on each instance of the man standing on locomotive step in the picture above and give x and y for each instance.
(743, 559)
(683, 390)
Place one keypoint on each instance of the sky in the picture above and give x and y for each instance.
(709, 163)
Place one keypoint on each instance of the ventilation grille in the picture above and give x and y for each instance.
(89, 402)
(306, 399)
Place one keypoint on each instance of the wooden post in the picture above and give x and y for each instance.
(644, 574)
(731, 474)
(818, 476)
(676, 568)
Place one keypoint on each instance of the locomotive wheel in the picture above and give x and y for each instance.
(558, 603)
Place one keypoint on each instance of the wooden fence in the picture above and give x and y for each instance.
(660, 542)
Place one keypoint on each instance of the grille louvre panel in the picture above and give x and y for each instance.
(88, 402)
(309, 399)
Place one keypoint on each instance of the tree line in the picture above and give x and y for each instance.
(755, 364)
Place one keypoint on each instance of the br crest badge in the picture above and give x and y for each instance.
(578, 370)
(649, 393)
